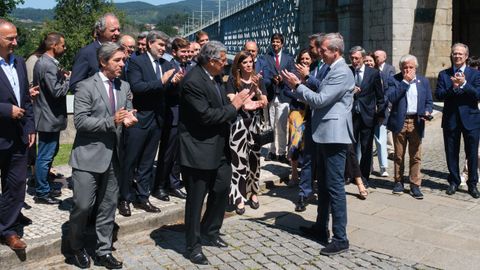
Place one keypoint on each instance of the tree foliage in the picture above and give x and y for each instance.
(6, 6)
(171, 23)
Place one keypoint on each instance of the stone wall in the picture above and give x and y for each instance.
(377, 26)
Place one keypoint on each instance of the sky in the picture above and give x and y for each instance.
(47, 4)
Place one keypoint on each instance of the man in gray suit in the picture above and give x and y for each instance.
(50, 109)
(102, 107)
(332, 132)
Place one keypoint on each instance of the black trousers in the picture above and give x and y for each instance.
(198, 183)
(364, 136)
(167, 175)
(13, 168)
(139, 155)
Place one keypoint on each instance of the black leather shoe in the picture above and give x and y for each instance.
(198, 258)
(240, 211)
(451, 189)
(216, 242)
(23, 220)
(46, 200)
(147, 206)
(81, 259)
(335, 247)
(316, 233)
(178, 193)
(124, 208)
(283, 159)
(301, 205)
(162, 195)
(473, 191)
(55, 193)
(108, 261)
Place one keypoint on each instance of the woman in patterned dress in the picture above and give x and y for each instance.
(245, 153)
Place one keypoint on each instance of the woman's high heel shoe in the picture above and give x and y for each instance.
(362, 191)
(240, 211)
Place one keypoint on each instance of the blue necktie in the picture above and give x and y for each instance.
(157, 69)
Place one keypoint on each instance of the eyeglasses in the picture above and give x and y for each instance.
(11, 39)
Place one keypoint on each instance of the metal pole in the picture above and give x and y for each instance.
(201, 13)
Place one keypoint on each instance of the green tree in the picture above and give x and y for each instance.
(6, 6)
(75, 19)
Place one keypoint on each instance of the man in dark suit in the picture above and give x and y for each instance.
(205, 117)
(411, 99)
(17, 134)
(107, 28)
(332, 133)
(50, 109)
(149, 76)
(459, 88)
(259, 61)
(102, 108)
(368, 108)
(167, 177)
(277, 60)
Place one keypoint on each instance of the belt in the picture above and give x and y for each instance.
(411, 116)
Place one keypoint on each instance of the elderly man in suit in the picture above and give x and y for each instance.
(102, 108)
(411, 99)
(17, 134)
(368, 108)
(150, 77)
(50, 109)
(459, 88)
(277, 59)
(107, 28)
(332, 132)
(205, 117)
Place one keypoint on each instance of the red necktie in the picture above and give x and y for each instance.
(277, 61)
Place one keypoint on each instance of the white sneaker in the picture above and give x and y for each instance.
(383, 172)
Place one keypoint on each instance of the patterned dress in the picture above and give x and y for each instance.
(244, 152)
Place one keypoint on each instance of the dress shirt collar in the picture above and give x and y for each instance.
(381, 66)
(361, 69)
(462, 69)
(151, 57)
(10, 62)
(335, 62)
(104, 78)
(208, 73)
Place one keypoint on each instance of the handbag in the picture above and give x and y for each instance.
(264, 134)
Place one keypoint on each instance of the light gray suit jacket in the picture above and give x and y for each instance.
(331, 105)
(50, 107)
(97, 136)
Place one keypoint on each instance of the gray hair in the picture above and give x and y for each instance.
(458, 44)
(318, 39)
(355, 49)
(154, 35)
(142, 35)
(3, 21)
(336, 42)
(211, 50)
(408, 58)
(106, 51)
(101, 23)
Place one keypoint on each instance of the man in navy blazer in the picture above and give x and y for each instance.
(277, 60)
(368, 107)
(107, 28)
(17, 134)
(149, 76)
(411, 99)
(459, 88)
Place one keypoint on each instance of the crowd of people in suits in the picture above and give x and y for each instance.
(156, 97)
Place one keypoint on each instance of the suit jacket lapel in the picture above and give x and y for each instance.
(366, 76)
(211, 89)
(120, 101)
(103, 93)
(6, 83)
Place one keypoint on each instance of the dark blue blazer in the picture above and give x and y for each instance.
(148, 91)
(261, 68)
(287, 62)
(371, 99)
(396, 93)
(14, 129)
(85, 64)
(172, 96)
(459, 104)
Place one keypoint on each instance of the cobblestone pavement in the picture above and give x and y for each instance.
(253, 245)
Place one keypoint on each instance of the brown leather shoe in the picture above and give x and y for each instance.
(14, 242)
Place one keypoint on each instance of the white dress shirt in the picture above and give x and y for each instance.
(12, 75)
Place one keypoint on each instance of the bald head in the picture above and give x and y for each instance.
(252, 48)
(128, 44)
(380, 57)
(8, 38)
